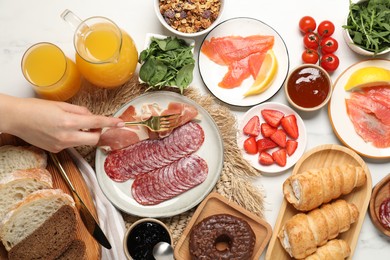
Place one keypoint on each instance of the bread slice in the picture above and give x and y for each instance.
(41, 226)
(20, 183)
(76, 251)
(20, 157)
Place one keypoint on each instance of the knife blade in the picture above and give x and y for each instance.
(89, 221)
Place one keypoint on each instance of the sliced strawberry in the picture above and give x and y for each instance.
(280, 157)
(289, 124)
(252, 128)
(265, 158)
(250, 145)
(279, 137)
(267, 130)
(272, 116)
(265, 144)
(291, 146)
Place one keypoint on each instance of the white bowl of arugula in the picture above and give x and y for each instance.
(167, 61)
(367, 27)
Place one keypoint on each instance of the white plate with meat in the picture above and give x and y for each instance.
(340, 118)
(173, 190)
(245, 38)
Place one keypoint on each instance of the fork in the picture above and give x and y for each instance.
(158, 123)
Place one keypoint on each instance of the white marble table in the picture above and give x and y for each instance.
(25, 22)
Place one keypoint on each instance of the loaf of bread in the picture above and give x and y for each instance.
(335, 249)
(303, 233)
(20, 157)
(20, 183)
(309, 189)
(41, 226)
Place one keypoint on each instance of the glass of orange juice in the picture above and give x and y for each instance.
(53, 75)
(106, 55)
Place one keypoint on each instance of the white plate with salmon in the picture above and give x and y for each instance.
(243, 61)
(361, 117)
(162, 174)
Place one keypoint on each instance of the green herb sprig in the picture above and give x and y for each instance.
(167, 62)
(368, 24)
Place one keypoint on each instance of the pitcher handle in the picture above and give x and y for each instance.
(71, 18)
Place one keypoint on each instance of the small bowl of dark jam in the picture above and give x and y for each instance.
(308, 87)
(142, 236)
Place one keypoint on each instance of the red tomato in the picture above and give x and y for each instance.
(310, 56)
(307, 24)
(311, 40)
(329, 62)
(329, 45)
(326, 28)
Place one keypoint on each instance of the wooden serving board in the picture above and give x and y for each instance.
(213, 204)
(380, 192)
(93, 249)
(319, 157)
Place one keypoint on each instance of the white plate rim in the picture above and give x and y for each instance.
(120, 199)
(338, 117)
(252, 159)
(283, 62)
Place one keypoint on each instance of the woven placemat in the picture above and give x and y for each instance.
(235, 182)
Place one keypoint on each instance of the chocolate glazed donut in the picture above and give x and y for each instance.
(234, 233)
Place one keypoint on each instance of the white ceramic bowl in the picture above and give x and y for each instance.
(304, 79)
(183, 34)
(354, 47)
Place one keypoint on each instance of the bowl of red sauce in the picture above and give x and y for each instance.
(308, 87)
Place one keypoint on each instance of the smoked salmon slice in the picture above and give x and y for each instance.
(243, 56)
(369, 111)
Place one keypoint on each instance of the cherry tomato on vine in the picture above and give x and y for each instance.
(329, 62)
(311, 40)
(310, 56)
(325, 28)
(307, 24)
(329, 45)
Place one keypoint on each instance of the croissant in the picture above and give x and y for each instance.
(336, 249)
(303, 233)
(310, 189)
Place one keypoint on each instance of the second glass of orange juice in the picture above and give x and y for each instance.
(106, 55)
(53, 75)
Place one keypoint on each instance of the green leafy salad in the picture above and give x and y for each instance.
(167, 62)
(368, 24)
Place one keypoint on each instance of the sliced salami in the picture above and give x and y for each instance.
(182, 175)
(141, 157)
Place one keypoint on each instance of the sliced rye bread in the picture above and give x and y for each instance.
(41, 226)
(19, 184)
(20, 157)
(76, 251)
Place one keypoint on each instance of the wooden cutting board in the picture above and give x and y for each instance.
(93, 249)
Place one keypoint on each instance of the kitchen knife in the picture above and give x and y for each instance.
(86, 216)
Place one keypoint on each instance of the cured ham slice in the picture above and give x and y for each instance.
(243, 56)
(150, 155)
(369, 111)
(162, 184)
(117, 138)
(113, 139)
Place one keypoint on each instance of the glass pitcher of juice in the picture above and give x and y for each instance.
(106, 55)
(53, 75)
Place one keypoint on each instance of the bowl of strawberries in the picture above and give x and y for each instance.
(271, 137)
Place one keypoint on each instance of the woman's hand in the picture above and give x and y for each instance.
(51, 125)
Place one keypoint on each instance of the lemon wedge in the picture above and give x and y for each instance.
(265, 76)
(368, 76)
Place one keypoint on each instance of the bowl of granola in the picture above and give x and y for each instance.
(189, 18)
